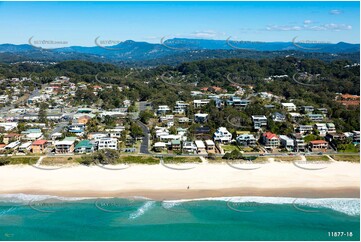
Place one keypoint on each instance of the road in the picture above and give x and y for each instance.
(144, 146)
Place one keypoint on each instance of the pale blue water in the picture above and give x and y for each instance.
(24, 217)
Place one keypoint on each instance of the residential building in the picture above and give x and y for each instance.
(12, 145)
(322, 110)
(203, 133)
(278, 117)
(318, 145)
(322, 128)
(84, 146)
(200, 103)
(201, 148)
(107, 143)
(4, 99)
(159, 146)
(11, 137)
(84, 119)
(210, 145)
(237, 102)
(25, 147)
(299, 143)
(331, 128)
(64, 146)
(304, 129)
(180, 107)
(356, 137)
(222, 135)
(289, 106)
(39, 146)
(259, 121)
(176, 145)
(246, 140)
(200, 117)
(307, 109)
(189, 147)
(270, 140)
(315, 117)
(115, 132)
(287, 142)
(163, 109)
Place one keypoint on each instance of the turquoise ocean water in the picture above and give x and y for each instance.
(28, 217)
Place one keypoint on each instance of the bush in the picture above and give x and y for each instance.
(4, 161)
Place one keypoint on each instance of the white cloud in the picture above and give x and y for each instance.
(307, 21)
(322, 27)
(335, 12)
(204, 34)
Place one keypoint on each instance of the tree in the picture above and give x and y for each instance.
(135, 130)
(42, 113)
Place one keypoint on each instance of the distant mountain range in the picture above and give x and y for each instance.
(173, 51)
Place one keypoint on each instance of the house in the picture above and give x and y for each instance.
(12, 145)
(159, 146)
(200, 103)
(9, 125)
(107, 143)
(189, 147)
(322, 128)
(210, 145)
(259, 121)
(39, 146)
(183, 120)
(84, 146)
(322, 110)
(237, 102)
(97, 135)
(200, 117)
(163, 109)
(115, 132)
(176, 145)
(356, 137)
(10, 137)
(307, 109)
(201, 148)
(289, 106)
(304, 129)
(64, 146)
(202, 133)
(222, 135)
(270, 140)
(318, 145)
(246, 140)
(331, 137)
(315, 117)
(295, 116)
(180, 107)
(278, 117)
(25, 147)
(32, 134)
(286, 142)
(331, 128)
(298, 142)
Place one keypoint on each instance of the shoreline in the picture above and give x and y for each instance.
(338, 180)
(160, 195)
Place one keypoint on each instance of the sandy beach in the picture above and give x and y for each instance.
(337, 179)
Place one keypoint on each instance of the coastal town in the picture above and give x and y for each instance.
(43, 120)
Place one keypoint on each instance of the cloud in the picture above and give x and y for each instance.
(204, 34)
(335, 12)
(307, 21)
(322, 27)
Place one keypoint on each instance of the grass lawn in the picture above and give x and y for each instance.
(23, 160)
(229, 148)
(287, 158)
(350, 158)
(317, 158)
(50, 161)
(139, 159)
(184, 159)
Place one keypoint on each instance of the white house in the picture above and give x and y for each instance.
(222, 135)
(287, 142)
(289, 106)
(259, 121)
(107, 143)
(201, 102)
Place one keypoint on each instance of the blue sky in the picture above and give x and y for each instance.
(79, 23)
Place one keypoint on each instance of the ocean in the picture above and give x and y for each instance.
(39, 217)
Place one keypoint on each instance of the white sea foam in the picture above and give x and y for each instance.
(349, 206)
(142, 210)
(25, 198)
